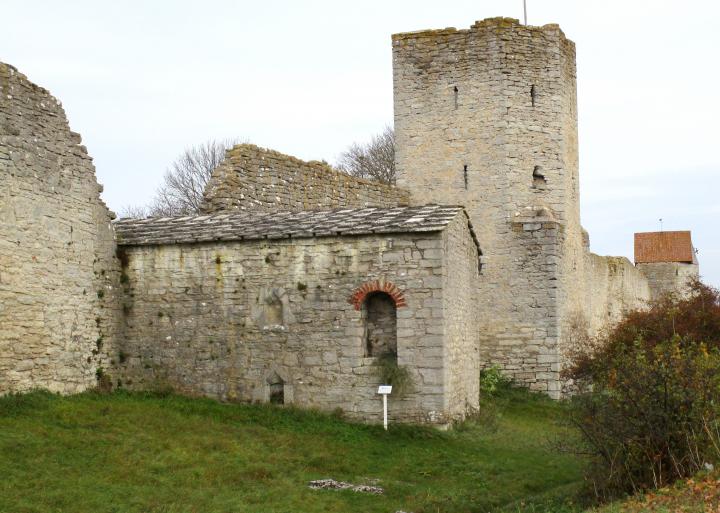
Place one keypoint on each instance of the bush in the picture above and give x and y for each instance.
(389, 372)
(492, 381)
(495, 391)
(649, 410)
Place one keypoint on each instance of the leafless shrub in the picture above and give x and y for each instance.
(182, 189)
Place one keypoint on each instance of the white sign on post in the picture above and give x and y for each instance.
(384, 391)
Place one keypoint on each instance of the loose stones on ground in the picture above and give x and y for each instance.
(331, 484)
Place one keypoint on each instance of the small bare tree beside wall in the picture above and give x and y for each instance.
(372, 161)
(182, 189)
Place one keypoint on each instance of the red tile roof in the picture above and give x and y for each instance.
(653, 247)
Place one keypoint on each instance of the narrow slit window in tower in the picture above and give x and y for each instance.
(533, 94)
(455, 91)
(465, 177)
(538, 177)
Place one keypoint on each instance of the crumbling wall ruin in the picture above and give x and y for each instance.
(57, 260)
(260, 180)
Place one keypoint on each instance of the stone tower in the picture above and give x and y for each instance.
(487, 118)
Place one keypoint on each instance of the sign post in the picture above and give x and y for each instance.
(384, 391)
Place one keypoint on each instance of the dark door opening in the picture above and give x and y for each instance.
(277, 389)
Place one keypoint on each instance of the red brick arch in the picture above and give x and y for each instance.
(363, 291)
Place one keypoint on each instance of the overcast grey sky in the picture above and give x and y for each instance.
(142, 80)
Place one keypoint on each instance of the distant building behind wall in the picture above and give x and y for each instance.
(668, 259)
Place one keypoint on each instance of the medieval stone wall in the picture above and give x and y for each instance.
(57, 260)
(526, 346)
(614, 287)
(668, 277)
(231, 320)
(261, 180)
(484, 118)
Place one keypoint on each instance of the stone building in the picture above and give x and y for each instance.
(298, 281)
(297, 307)
(668, 259)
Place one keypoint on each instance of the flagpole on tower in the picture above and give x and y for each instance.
(525, 10)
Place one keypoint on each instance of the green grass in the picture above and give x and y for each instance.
(146, 453)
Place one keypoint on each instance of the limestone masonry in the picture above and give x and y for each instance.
(261, 180)
(299, 284)
(57, 253)
(243, 314)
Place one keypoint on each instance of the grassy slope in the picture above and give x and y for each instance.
(140, 453)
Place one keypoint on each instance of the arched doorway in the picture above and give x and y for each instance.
(380, 315)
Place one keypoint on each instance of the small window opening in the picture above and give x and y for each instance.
(455, 90)
(277, 389)
(538, 177)
(465, 176)
(380, 325)
(533, 94)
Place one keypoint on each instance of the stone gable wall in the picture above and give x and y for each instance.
(222, 319)
(461, 276)
(257, 179)
(57, 256)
